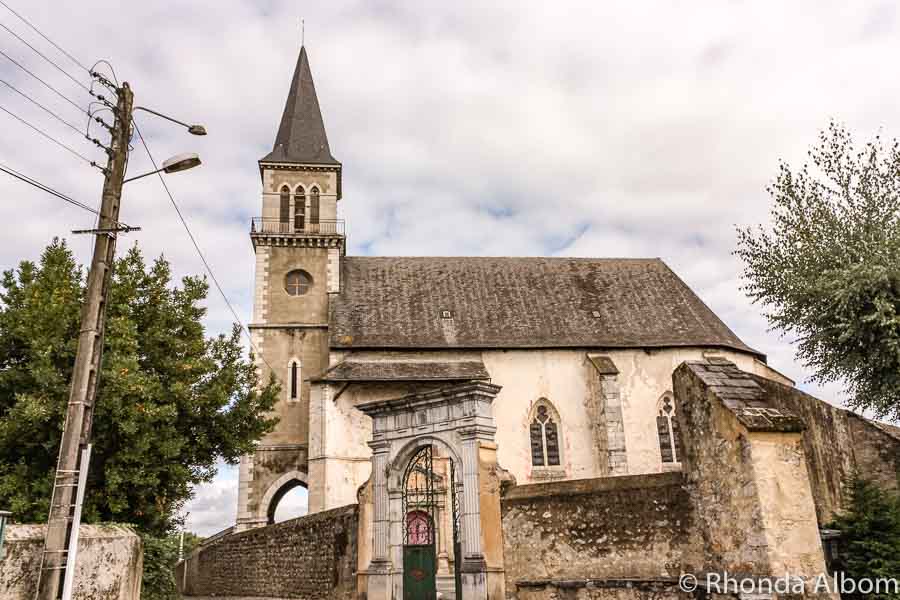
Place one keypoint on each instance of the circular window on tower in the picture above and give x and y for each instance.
(298, 282)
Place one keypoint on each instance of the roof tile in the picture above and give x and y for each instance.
(397, 302)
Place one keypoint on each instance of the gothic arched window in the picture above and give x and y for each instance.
(299, 208)
(297, 283)
(314, 206)
(544, 436)
(667, 430)
(284, 213)
(294, 380)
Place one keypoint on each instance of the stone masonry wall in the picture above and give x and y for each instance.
(312, 557)
(836, 443)
(110, 563)
(745, 471)
(628, 527)
(609, 589)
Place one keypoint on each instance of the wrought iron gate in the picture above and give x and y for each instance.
(422, 499)
(457, 541)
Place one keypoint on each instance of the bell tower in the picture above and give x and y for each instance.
(299, 244)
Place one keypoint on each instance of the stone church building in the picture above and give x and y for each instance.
(490, 427)
(582, 350)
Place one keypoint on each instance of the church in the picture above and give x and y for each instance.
(458, 406)
(583, 350)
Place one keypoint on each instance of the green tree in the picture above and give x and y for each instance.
(171, 401)
(870, 535)
(160, 559)
(828, 269)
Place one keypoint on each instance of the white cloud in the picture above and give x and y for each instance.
(573, 128)
(214, 506)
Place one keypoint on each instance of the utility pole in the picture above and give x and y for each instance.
(76, 433)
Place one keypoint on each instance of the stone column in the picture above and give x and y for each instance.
(379, 579)
(470, 513)
(473, 566)
(381, 521)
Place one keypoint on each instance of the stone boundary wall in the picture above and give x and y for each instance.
(311, 557)
(664, 588)
(836, 443)
(110, 563)
(635, 527)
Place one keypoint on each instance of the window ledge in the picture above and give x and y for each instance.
(670, 467)
(548, 473)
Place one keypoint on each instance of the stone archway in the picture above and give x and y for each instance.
(458, 422)
(276, 491)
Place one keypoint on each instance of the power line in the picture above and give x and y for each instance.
(47, 85)
(46, 188)
(38, 31)
(200, 252)
(51, 138)
(44, 56)
(41, 106)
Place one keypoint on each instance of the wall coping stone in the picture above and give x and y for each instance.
(311, 518)
(742, 396)
(25, 532)
(575, 487)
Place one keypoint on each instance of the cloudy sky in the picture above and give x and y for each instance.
(466, 128)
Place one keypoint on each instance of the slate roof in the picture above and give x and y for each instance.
(406, 370)
(396, 302)
(741, 395)
(301, 135)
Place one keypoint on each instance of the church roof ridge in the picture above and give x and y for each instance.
(301, 137)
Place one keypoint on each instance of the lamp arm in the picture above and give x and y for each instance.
(158, 114)
(144, 175)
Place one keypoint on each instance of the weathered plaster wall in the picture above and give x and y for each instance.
(565, 377)
(637, 526)
(788, 511)
(313, 557)
(836, 442)
(110, 563)
(570, 382)
(339, 452)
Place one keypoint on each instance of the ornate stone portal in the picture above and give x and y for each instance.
(456, 424)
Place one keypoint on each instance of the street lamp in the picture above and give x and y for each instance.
(180, 162)
(192, 129)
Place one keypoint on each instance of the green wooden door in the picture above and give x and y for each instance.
(419, 569)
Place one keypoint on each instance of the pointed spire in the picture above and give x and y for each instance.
(301, 136)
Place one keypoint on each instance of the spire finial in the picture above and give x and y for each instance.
(302, 32)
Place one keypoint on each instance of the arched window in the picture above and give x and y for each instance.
(297, 283)
(544, 436)
(667, 430)
(314, 207)
(294, 380)
(299, 209)
(284, 213)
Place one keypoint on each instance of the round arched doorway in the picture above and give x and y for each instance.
(431, 548)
